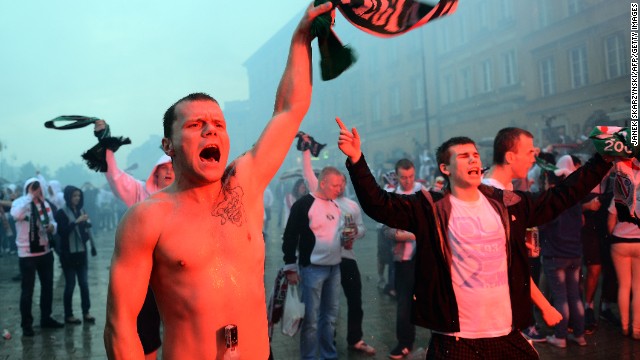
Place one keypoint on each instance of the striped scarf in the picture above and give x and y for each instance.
(614, 141)
(384, 18)
(275, 306)
(38, 216)
(392, 17)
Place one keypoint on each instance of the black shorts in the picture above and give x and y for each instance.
(149, 324)
(512, 346)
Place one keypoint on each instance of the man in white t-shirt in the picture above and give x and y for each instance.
(513, 157)
(404, 248)
(472, 286)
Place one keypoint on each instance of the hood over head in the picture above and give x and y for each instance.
(68, 192)
(29, 182)
(565, 166)
(55, 186)
(152, 184)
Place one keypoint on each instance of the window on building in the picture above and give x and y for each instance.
(506, 9)
(510, 68)
(356, 101)
(543, 13)
(444, 40)
(418, 92)
(487, 77)
(448, 83)
(547, 70)
(578, 65)
(615, 56)
(395, 100)
(376, 108)
(374, 63)
(465, 82)
(392, 52)
(483, 15)
(574, 6)
(416, 40)
(462, 35)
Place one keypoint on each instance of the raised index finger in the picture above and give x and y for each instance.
(341, 124)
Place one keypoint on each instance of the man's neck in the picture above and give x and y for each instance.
(500, 173)
(320, 195)
(198, 192)
(407, 190)
(466, 194)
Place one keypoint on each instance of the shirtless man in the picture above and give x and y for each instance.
(199, 241)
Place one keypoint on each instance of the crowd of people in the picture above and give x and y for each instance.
(189, 252)
(575, 234)
(42, 219)
(45, 221)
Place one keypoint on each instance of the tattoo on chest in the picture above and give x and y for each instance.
(230, 208)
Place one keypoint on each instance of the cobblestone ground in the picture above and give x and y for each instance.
(85, 341)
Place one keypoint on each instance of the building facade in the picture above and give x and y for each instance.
(553, 67)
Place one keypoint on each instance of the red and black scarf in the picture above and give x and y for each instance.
(38, 219)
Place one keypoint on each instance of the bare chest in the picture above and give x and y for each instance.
(201, 237)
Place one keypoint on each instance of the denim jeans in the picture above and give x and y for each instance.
(321, 296)
(73, 270)
(563, 275)
(29, 266)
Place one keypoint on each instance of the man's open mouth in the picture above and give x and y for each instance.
(474, 172)
(210, 153)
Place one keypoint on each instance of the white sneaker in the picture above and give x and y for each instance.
(580, 340)
(557, 342)
(532, 334)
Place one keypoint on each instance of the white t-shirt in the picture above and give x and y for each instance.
(405, 250)
(479, 269)
(631, 171)
(625, 230)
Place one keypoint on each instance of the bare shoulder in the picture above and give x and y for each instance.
(156, 205)
(144, 220)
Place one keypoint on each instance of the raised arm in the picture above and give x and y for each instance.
(307, 171)
(292, 102)
(393, 210)
(131, 266)
(127, 188)
(21, 207)
(124, 186)
(551, 203)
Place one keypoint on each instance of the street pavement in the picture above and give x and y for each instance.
(85, 341)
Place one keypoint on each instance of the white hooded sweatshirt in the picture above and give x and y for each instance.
(126, 187)
(21, 210)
